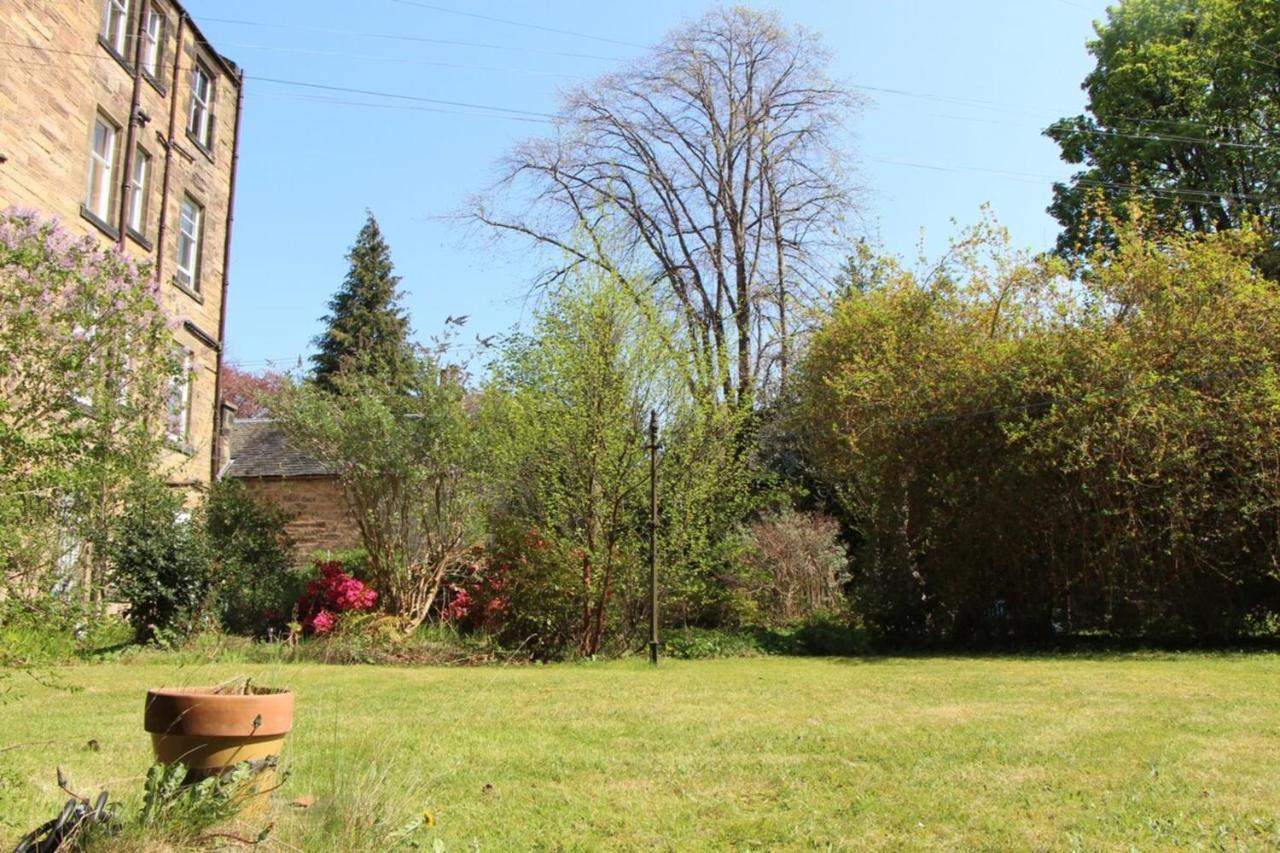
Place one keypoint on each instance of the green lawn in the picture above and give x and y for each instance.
(953, 753)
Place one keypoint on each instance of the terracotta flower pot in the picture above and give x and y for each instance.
(212, 729)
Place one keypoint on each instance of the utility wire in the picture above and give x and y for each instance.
(315, 52)
(327, 87)
(404, 60)
(959, 101)
(396, 96)
(511, 23)
(410, 38)
(319, 99)
(489, 111)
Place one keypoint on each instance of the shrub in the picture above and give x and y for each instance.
(332, 595)
(405, 452)
(795, 563)
(355, 561)
(49, 630)
(1024, 455)
(541, 591)
(702, 643)
(476, 597)
(160, 563)
(251, 553)
(818, 635)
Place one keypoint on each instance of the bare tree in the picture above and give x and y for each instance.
(713, 166)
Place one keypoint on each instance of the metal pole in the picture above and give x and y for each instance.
(653, 536)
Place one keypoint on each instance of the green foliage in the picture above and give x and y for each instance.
(365, 329)
(88, 358)
(792, 565)
(160, 564)
(405, 451)
(565, 418)
(252, 554)
(818, 635)
(1024, 456)
(173, 814)
(48, 630)
(355, 561)
(708, 643)
(1182, 110)
(709, 480)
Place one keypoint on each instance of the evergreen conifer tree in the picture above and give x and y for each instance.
(366, 328)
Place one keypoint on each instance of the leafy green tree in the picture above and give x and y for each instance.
(1183, 112)
(1023, 454)
(405, 452)
(566, 421)
(366, 329)
(566, 413)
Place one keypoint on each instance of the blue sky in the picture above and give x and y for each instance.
(973, 83)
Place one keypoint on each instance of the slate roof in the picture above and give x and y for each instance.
(258, 449)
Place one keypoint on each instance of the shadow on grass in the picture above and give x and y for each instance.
(839, 642)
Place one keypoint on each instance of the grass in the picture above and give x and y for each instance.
(1114, 752)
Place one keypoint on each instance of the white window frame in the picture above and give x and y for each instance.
(190, 242)
(140, 185)
(178, 418)
(153, 40)
(200, 116)
(100, 185)
(115, 25)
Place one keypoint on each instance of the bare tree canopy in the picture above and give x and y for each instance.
(712, 168)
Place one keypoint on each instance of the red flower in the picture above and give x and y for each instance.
(334, 592)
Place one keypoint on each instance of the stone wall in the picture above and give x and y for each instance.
(57, 77)
(320, 518)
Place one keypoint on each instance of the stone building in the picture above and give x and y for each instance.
(306, 489)
(119, 118)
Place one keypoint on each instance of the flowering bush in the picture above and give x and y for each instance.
(329, 596)
(88, 359)
(531, 592)
(476, 598)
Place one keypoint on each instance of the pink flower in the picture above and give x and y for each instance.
(324, 622)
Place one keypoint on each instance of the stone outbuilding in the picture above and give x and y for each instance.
(301, 486)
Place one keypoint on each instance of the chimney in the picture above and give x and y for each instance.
(226, 434)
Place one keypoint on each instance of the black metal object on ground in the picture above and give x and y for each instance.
(653, 536)
(60, 833)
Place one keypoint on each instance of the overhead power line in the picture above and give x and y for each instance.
(319, 99)
(511, 23)
(488, 108)
(373, 57)
(405, 60)
(397, 96)
(410, 38)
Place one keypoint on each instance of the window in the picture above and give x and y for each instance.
(102, 161)
(153, 41)
(200, 122)
(115, 25)
(179, 413)
(139, 188)
(84, 395)
(190, 233)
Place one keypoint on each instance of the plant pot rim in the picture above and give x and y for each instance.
(204, 712)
